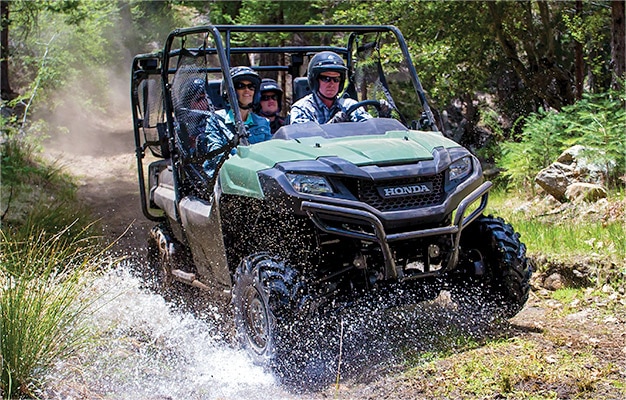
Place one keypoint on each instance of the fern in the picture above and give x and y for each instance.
(596, 122)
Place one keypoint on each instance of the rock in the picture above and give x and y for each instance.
(585, 168)
(578, 192)
(575, 167)
(554, 282)
(570, 155)
(555, 179)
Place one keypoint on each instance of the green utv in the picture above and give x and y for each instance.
(320, 217)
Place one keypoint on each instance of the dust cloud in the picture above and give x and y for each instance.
(79, 128)
(95, 144)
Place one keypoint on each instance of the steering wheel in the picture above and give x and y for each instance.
(364, 103)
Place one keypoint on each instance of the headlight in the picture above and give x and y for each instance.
(310, 184)
(460, 169)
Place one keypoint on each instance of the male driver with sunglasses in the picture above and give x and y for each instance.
(326, 76)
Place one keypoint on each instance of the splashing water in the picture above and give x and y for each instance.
(150, 349)
(146, 349)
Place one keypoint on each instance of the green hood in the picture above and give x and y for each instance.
(239, 174)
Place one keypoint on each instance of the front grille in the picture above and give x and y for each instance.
(367, 192)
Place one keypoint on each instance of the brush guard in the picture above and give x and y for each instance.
(316, 211)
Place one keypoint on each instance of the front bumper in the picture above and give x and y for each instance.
(319, 212)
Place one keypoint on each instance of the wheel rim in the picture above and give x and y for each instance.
(256, 321)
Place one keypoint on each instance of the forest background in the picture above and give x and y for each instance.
(494, 62)
(520, 82)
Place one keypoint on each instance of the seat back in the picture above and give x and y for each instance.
(215, 93)
(300, 88)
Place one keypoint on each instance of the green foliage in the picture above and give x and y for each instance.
(596, 122)
(42, 307)
(451, 54)
(452, 43)
(76, 48)
(541, 141)
(48, 250)
(591, 31)
(60, 42)
(35, 195)
(16, 158)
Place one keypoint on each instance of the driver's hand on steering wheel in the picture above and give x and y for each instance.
(340, 116)
(385, 109)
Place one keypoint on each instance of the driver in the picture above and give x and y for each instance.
(326, 76)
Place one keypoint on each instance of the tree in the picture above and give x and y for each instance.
(6, 91)
(528, 38)
(618, 44)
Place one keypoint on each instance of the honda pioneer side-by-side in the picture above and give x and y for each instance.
(321, 216)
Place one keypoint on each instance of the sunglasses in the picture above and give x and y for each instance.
(249, 86)
(270, 97)
(327, 79)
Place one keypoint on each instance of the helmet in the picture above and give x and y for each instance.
(243, 74)
(270, 85)
(197, 88)
(325, 61)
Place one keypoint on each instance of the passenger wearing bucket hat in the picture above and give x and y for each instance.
(270, 103)
(326, 76)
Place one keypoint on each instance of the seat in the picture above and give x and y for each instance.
(300, 88)
(215, 93)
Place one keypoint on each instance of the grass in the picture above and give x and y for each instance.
(569, 356)
(48, 254)
(41, 324)
(514, 369)
(589, 236)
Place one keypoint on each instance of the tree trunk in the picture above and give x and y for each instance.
(618, 44)
(5, 87)
(579, 63)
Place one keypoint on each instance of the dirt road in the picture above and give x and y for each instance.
(104, 163)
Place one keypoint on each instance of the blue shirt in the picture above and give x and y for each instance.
(312, 108)
(220, 130)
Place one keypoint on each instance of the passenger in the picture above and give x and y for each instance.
(198, 95)
(271, 100)
(191, 113)
(220, 127)
(326, 76)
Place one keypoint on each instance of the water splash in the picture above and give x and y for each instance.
(152, 349)
(148, 349)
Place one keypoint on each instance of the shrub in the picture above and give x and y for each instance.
(48, 251)
(596, 122)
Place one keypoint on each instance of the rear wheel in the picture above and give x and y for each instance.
(494, 267)
(166, 254)
(160, 258)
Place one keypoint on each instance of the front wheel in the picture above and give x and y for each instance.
(265, 299)
(493, 266)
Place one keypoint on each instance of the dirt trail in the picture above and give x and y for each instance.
(103, 160)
